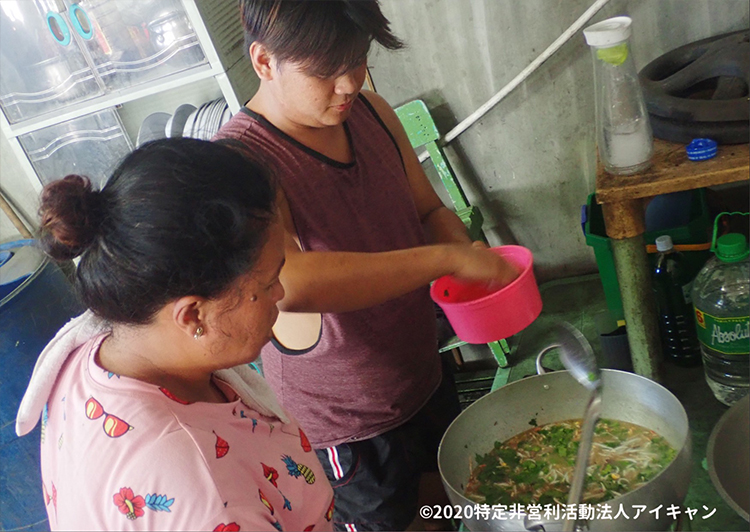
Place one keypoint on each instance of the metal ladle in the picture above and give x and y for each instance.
(578, 358)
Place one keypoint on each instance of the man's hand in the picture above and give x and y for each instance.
(477, 263)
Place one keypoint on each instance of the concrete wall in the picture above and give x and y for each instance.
(529, 164)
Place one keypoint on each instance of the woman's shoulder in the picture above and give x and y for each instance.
(131, 459)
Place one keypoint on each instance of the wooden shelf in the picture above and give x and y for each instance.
(623, 200)
(672, 171)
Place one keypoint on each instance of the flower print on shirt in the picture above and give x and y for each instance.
(231, 527)
(133, 506)
(271, 474)
(129, 504)
(129, 497)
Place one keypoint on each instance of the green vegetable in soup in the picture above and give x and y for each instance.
(536, 466)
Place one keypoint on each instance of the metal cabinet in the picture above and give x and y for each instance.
(130, 42)
(68, 67)
(41, 65)
(89, 145)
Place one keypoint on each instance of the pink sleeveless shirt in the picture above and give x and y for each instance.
(372, 369)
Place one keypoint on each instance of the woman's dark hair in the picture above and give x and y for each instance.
(326, 37)
(178, 217)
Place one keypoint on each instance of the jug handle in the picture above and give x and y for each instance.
(716, 226)
(539, 368)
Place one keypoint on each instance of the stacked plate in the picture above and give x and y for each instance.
(176, 123)
(205, 121)
(187, 121)
(152, 128)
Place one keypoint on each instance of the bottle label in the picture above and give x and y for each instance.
(725, 335)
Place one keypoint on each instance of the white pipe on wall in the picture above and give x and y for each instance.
(525, 73)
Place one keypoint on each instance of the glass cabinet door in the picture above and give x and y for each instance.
(134, 41)
(91, 146)
(42, 67)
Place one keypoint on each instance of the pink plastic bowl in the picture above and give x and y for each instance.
(480, 316)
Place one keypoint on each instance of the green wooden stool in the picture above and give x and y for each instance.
(421, 130)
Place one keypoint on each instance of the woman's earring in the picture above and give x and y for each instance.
(198, 333)
(253, 298)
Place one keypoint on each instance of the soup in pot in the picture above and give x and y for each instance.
(536, 466)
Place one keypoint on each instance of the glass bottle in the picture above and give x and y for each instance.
(623, 130)
(672, 287)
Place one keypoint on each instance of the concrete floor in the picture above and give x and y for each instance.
(580, 301)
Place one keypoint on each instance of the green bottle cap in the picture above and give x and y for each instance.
(732, 247)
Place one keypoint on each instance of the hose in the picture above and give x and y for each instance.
(525, 73)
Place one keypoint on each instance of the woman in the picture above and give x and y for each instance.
(151, 417)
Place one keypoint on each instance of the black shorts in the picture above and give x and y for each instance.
(376, 481)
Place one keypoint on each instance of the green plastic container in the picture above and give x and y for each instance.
(696, 231)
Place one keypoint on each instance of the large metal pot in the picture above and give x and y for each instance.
(728, 456)
(554, 397)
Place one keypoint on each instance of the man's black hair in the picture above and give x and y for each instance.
(325, 37)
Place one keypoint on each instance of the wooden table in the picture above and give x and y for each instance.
(623, 200)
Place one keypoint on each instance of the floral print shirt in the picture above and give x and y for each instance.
(120, 454)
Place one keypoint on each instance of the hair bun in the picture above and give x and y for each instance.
(70, 216)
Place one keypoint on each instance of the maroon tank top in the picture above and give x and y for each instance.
(372, 369)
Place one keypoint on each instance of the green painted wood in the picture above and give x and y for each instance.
(421, 130)
(445, 172)
(501, 378)
(418, 123)
(450, 344)
(499, 352)
(472, 218)
(500, 349)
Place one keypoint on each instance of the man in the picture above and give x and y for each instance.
(354, 356)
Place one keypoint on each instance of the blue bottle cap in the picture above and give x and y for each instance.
(701, 149)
